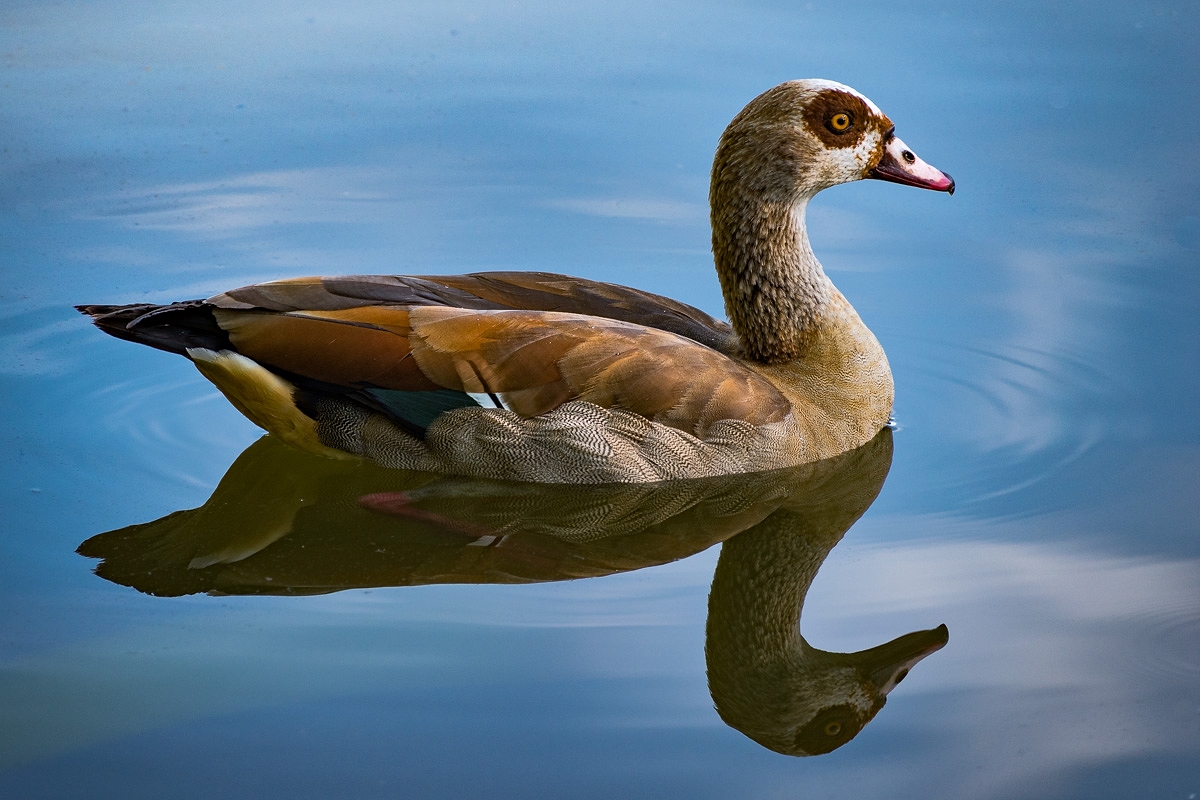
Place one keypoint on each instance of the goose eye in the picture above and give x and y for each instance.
(840, 122)
(833, 728)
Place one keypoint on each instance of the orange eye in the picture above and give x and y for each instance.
(840, 122)
(833, 728)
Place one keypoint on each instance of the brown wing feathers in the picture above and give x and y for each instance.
(531, 291)
(614, 364)
(341, 350)
(544, 291)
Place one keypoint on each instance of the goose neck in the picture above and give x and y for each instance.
(774, 287)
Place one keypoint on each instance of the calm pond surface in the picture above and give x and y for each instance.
(1042, 484)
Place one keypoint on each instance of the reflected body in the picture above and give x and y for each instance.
(548, 378)
(283, 522)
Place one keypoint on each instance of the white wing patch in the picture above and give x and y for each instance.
(487, 400)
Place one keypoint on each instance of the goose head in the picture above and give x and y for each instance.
(808, 702)
(803, 136)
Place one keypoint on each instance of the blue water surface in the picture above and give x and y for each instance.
(1041, 326)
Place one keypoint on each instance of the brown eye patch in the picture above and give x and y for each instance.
(837, 118)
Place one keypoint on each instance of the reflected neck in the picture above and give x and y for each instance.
(758, 592)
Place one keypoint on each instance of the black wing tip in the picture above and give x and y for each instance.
(135, 313)
(96, 310)
(174, 327)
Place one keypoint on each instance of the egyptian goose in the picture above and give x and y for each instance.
(549, 378)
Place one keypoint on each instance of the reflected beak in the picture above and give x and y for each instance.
(901, 165)
(888, 664)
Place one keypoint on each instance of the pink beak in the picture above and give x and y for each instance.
(901, 165)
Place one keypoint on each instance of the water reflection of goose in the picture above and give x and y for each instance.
(284, 522)
(766, 680)
(556, 379)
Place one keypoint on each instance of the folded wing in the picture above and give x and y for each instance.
(399, 359)
(529, 291)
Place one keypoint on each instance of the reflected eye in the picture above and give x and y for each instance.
(828, 730)
(840, 122)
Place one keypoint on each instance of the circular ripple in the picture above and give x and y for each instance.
(1167, 644)
(90, 397)
(994, 422)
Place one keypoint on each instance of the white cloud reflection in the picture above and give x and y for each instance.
(631, 208)
(220, 208)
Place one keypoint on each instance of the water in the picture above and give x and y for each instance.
(1041, 499)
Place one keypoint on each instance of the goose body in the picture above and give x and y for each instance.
(550, 378)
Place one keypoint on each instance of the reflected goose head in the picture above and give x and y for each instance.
(770, 684)
(803, 136)
(815, 701)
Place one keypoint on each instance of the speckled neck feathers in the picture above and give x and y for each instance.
(775, 290)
